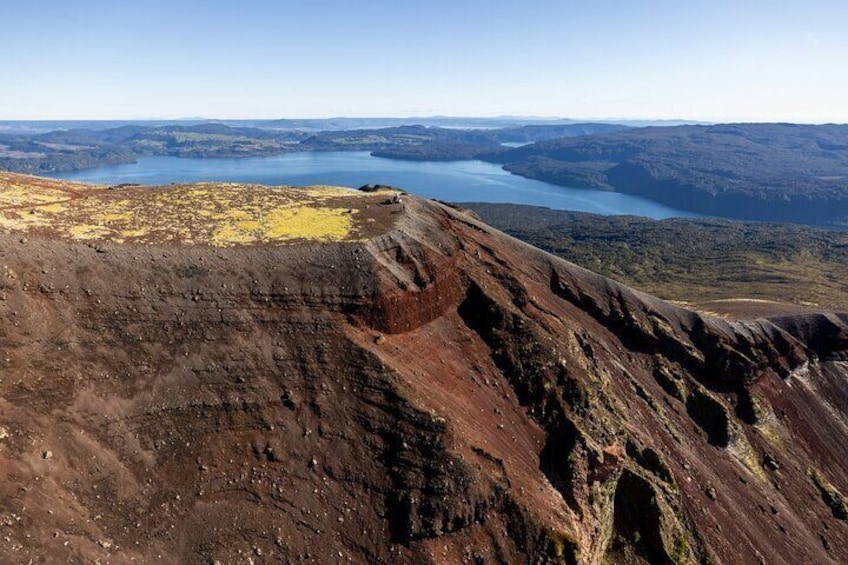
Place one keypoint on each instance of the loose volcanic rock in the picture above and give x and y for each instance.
(288, 375)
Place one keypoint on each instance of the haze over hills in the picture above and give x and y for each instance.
(206, 372)
(325, 124)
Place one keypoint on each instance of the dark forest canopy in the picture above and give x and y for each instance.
(691, 260)
(781, 172)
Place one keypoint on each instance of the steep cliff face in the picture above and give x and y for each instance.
(422, 389)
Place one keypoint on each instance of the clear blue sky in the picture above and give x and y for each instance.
(751, 60)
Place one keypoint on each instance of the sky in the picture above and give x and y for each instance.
(716, 60)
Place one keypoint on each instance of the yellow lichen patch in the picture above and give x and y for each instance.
(84, 231)
(24, 191)
(221, 214)
(21, 220)
(326, 224)
(288, 223)
(16, 195)
(8, 224)
(323, 192)
(133, 234)
(249, 225)
(240, 215)
(231, 235)
(51, 208)
(111, 217)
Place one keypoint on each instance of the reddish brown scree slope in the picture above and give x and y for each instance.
(435, 392)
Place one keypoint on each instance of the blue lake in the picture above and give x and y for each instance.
(456, 181)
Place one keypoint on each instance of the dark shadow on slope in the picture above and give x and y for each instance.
(637, 524)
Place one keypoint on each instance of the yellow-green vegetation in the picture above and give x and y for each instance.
(744, 453)
(695, 261)
(766, 421)
(17, 195)
(681, 553)
(220, 214)
(830, 495)
(563, 547)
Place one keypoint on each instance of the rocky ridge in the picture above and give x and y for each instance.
(428, 391)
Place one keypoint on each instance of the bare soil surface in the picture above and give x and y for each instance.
(751, 308)
(422, 389)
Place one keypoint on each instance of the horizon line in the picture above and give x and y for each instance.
(534, 117)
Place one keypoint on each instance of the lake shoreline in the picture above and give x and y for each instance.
(451, 181)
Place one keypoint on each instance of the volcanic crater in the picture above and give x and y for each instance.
(223, 373)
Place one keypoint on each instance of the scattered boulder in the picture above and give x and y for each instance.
(770, 463)
(288, 399)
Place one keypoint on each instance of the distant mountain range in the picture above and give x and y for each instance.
(322, 124)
